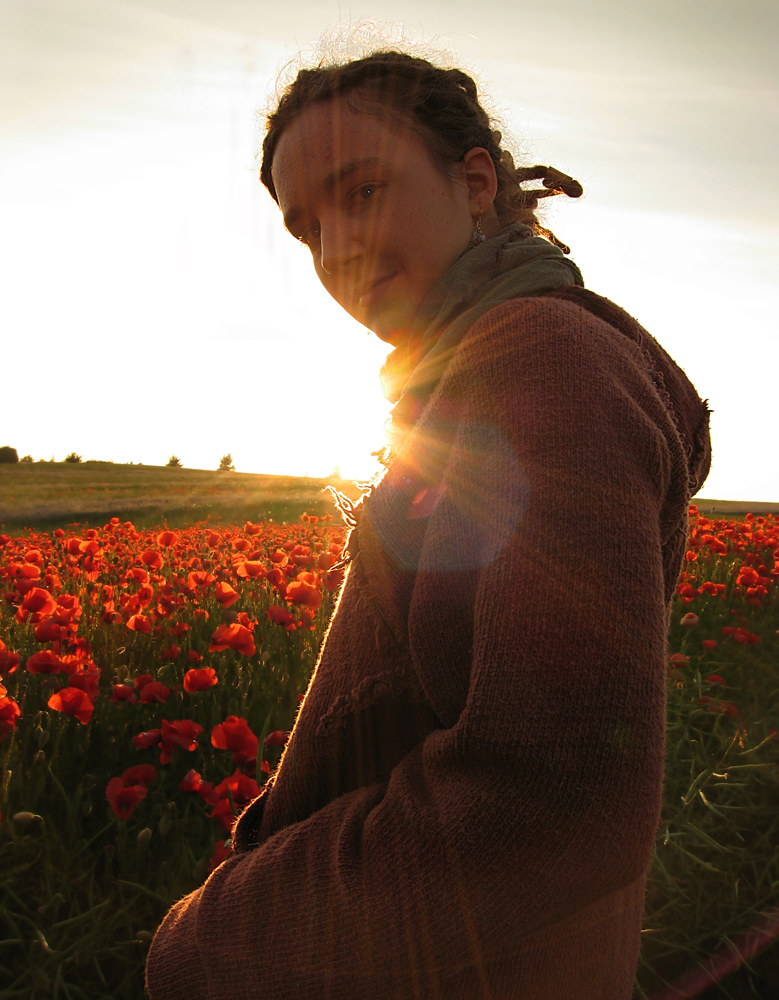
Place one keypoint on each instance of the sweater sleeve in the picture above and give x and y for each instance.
(541, 793)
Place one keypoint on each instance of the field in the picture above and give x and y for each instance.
(150, 677)
(46, 494)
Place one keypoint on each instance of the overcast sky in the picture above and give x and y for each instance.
(151, 302)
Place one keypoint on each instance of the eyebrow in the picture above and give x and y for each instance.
(331, 181)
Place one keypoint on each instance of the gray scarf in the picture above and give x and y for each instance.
(510, 264)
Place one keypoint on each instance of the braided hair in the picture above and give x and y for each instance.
(441, 105)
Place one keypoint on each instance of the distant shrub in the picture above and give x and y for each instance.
(10, 455)
(174, 462)
(26, 458)
(73, 458)
(226, 464)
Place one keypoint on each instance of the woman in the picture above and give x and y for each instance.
(468, 802)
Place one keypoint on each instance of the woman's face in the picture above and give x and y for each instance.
(382, 221)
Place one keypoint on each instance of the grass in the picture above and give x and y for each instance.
(49, 494)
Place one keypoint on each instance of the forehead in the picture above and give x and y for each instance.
(329, 136)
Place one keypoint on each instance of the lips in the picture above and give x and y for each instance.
(376, 290)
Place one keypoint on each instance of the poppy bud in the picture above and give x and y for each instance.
(25, 818)
(144, 837)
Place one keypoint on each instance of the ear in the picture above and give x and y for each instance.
(481, 179)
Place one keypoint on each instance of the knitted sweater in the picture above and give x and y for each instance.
(468, 803)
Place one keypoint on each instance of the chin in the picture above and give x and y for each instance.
(390, 326)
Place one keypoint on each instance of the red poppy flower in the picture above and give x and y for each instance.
(199, 679)
(171, 653)
(141, 680)
(154, 691)
(300, 592)
(68, 609)
(123, 692)
(72, 701)
(182, 733)
(715, 679)
(225, 594)
(252, 569)
(690, 620)
(125, 793)
(148, 739)
(280, 616)
(221, 853)
(152, 559)
(73, 546)
(139, 774)
(139, 623)
(242, 790)
(50, 631)
(167, 538)
(137, 574)
(234, 734)
(709, 644)
(199, 578)
(741, 635)
(277, 738)
(191, 782)
(234, 636)
(86, 681)
(8, 661)
(193, 656)
(213, 538)
(45, 662)
(9, 713)
(39, 601)
(276, 579)
(332, 579)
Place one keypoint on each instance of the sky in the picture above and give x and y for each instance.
(152, 304)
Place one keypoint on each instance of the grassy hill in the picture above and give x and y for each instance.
(43, 494)
(49, 494)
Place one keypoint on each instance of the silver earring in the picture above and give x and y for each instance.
(478, 236)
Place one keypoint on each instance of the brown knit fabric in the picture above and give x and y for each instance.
(467, 806)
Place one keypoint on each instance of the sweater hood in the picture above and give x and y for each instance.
(689, 412)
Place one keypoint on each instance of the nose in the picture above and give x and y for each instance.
(338, 246)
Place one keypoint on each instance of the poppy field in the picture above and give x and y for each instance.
(149, 680)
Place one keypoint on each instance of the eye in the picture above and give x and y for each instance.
(365, 192)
